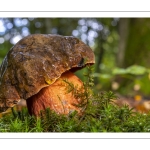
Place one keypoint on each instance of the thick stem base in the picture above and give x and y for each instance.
(56, 96)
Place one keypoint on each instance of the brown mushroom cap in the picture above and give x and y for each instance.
(37, 61)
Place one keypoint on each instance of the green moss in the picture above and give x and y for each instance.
(101, 115)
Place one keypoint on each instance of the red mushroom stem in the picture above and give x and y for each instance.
(56, 96)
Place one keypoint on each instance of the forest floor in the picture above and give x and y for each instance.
(138, 103)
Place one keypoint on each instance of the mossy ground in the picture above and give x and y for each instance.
(102, 116)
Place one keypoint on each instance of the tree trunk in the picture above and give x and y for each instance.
(123, 30)
(137, 46)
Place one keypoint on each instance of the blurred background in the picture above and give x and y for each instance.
(121, 47)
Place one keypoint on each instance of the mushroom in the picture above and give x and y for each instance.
(35, 69)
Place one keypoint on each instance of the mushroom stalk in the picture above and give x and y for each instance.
(57, 96)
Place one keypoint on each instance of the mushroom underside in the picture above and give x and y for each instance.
(61, 97)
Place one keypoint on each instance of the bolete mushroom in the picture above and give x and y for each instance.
(35, 69)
